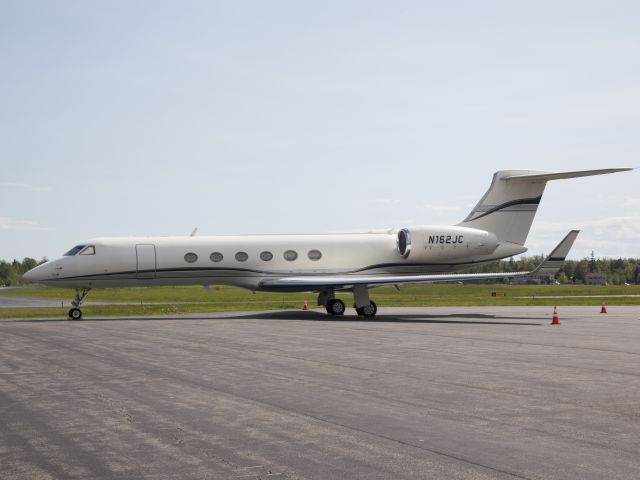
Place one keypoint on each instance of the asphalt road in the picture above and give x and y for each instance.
(20, 302)
(446, 393)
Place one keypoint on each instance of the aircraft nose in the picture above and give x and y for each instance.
(35, 274)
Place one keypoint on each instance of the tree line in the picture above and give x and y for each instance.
(618, 272)
(11, 273)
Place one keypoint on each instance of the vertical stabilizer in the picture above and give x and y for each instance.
(509, 206)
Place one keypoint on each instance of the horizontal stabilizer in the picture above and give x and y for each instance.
(545, 177)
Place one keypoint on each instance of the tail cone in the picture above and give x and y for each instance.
(555, 320)
(603, 309)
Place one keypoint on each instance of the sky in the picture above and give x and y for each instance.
(152, 118)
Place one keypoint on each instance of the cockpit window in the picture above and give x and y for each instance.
(74, 250)
(90, 250)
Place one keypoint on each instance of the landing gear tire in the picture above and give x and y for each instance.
(335, 306)
(75, 313)
(368, 311)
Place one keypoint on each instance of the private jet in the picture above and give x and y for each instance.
(496, 228)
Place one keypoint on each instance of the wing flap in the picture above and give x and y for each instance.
(319, 282)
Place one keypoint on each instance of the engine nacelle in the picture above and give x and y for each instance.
(434, 243)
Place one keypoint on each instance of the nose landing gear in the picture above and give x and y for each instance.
(75, 313)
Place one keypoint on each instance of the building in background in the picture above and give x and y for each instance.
(596, 278)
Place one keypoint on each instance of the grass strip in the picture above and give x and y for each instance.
(175, 300)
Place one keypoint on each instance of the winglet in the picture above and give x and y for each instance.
(553, 262)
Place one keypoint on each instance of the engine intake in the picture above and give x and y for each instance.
(403, 242)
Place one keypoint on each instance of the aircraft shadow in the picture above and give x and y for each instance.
(462, 318)
(313, 316)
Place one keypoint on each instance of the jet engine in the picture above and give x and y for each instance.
(434, 243)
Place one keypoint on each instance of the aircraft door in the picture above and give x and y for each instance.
(146, 262)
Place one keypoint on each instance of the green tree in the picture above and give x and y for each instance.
(27, 264)
(6, 274)
(582, 268)
(592, 262)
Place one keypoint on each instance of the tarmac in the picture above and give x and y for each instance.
(443, 393)
(22, 302)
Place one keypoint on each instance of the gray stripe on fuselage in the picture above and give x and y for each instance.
(377, 269)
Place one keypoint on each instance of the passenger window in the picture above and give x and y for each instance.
(266, 256)
(242, 256)
(216, 257)
(190, 257)
(90, 250)
(314, 255)
(290, 255)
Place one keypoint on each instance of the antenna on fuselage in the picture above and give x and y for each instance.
(193, 234)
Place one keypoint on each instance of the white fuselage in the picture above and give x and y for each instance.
(210, 260)
(496, 228)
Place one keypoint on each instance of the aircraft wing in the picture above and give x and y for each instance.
(549, 266)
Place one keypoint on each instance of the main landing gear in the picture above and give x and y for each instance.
(335, 306)
(364, 307)
(75, 313)
(368, 311)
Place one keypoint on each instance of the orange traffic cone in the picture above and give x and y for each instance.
(603, 309)
(556, 319)
(305, 305)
